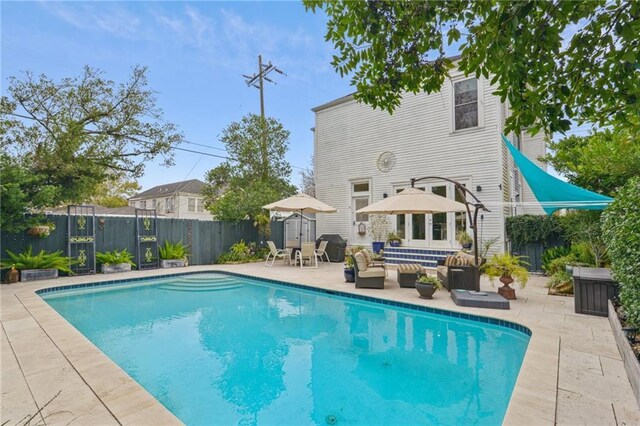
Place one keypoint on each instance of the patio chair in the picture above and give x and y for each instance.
(307, 252)
(367, 277)
(373, 263)
(276, 253)
(459, 272)
(321, 251)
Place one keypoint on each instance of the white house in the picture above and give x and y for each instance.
(363, 155)
(182, 200)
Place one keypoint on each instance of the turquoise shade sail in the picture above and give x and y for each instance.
(552, 193)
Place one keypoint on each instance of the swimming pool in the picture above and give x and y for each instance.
(222, 349)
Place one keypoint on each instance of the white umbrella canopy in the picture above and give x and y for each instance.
(413, 200)
(300, 202)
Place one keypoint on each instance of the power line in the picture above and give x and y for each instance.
(220, 156)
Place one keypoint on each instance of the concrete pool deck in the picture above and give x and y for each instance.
(572, 372)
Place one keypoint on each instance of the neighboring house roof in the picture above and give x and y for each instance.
(103, 211)
(193, 186)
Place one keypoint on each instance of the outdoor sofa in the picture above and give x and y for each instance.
(367, 277)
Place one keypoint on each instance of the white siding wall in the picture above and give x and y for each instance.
(533, 147)
(349, 137)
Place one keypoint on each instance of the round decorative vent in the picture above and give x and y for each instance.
(386, 161)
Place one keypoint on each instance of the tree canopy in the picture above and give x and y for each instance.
(602, 161)
(62, 140)
(553, 61)
(238, 188)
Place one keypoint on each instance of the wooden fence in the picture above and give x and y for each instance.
(206, 239)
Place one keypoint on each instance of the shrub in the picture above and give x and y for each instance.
(506, 264)
(115, 257)
(173, 250)
(561, 283)
(621, 227)
(551, 254)
(584, 227)
(430, 279)
(42, 260)
(242, 252)
(528, 228)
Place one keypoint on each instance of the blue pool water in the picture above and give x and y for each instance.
(218, 349)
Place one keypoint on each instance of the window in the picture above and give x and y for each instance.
(360, 199)
(200, 205)
(361, 202)
(143, 204)
(168, 202)
(401, 221)
(153, 204)
(461, 217)
(191, 205)
(466, 104)
(439, 225)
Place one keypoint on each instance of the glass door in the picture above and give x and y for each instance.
(418, 227)
(439, 229)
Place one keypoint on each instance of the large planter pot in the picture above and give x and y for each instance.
(377, 246)
(467, 246)
(631, 363)
(349, 275)
(394, 243)
(114, 269)
(173, 263)
(40, 231)
(38, 274)
(506, 291)
(426, 290)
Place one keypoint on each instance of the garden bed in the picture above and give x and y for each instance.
(630, 352)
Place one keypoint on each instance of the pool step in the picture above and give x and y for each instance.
(204, 278)
(182, 284)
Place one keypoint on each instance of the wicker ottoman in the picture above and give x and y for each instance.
(408, 273)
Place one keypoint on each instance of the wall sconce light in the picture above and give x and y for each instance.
(362, 229)
(478, 188)
(385, 195)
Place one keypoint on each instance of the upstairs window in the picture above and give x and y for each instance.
(200, 205)
(466, 104)
(191, 206)
(168, 205)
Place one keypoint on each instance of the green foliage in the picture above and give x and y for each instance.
(506, 265)
(561, 282)
(584, 227)
(258, 174)
(601, 162)
(173, 250)
(485, 246)
(430, 279)
(263, 223)
(62, 139)
(42, 260)
(528, 228)
(115, 192)
(393, 237)
(378, 226)
(621, 228)
(348, 260)
(463, 237)
(242, 252)
(551, 254)
(553, 62)
(115, 257)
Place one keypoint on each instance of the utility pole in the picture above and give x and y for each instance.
(260, 77)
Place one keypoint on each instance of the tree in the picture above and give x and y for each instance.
(238, 188)
(602, 162)
(308, 182)
(115, 192)
(549, 74)
(73, 135)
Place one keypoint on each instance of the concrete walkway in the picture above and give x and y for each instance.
(572, 373)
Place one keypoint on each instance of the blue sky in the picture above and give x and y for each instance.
(196, 53)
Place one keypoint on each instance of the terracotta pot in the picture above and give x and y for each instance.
(506, 291)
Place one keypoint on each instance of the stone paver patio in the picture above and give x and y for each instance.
(572, 373)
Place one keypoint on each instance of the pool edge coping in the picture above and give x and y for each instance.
(533, 399)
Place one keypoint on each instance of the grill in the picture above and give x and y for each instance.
(335, 248)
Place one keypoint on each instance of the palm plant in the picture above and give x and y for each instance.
(115, 257)
(173, 250)
(43, 260)
(506, 265)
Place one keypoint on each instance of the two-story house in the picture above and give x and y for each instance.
(363, 155)
(182, 200)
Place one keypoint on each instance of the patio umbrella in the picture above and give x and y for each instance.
(302, 203)
(414, 201)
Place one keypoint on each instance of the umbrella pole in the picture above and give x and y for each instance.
(300, 240)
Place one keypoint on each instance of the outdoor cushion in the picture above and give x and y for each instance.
(367, 256)
(471, 259)
(409, 268)
(362, 262)
(371, 273)
(456, 260)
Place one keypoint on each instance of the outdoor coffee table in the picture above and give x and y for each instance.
(479, 299)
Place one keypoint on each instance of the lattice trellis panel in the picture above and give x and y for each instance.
(147, 239)
(81, 238)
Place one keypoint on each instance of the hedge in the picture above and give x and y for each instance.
(528, 228)
(621, 228)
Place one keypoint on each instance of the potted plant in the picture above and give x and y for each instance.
(378, 227)
(42, 230)
(115, 261)
(42, 266)
(464, 239)
(393, 239)
(173, 255)
(507, 268)
(427, 285)
(349, 272)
